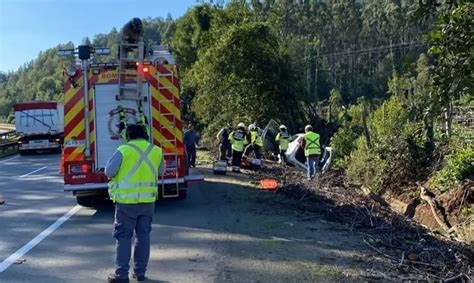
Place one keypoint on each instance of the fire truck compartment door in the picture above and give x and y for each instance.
(106, 117)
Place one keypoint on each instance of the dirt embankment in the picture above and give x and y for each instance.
(409, 247)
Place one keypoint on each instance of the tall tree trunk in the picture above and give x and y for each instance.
(430, 144)
(366, 128)
(315, 89)
(448, 117)
(308, 70)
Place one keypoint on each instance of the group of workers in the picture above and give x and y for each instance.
(134, 169)
(241, 142)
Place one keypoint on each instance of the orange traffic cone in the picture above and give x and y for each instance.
(61, 163)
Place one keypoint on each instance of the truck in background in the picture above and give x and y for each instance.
(39, 126)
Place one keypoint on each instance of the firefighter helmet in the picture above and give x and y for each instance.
(308, 128)
(136, 23)
(283, 127)
(241, 125)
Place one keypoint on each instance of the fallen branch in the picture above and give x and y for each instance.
(463, 277)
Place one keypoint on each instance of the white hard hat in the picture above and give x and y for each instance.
(241, 125)
(282, 127)
(308, 128)
(252, 127)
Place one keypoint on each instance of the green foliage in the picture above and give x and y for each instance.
(343, 144)
(459, 166)
(451, 44)
(397, 149)
(242, 78)
(389, 122)
(365, 167)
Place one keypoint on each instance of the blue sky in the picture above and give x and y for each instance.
(29, 26)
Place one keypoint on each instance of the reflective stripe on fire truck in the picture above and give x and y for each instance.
(164, 90)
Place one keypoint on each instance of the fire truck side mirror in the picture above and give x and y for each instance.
(65, 53)
(102, 51)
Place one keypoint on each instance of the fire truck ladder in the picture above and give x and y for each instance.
(130, 92)
(171, 165)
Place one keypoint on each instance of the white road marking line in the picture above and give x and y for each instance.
(8, 159)
(36, 240)
(26, 175)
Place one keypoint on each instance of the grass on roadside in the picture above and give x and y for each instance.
(203, 156)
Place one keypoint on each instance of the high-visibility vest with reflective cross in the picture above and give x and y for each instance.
(256, 138)
(136, 179)
(238, 140)
(283, 140)
(311, 144)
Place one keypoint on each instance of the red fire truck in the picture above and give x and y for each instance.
(99, 97)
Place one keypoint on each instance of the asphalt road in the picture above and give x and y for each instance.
(223, 232)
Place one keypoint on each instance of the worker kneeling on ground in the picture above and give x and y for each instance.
(238, 140)
(282, 138)
(133, 169)
(312, 150)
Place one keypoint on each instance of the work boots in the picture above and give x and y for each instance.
(139, 277)
(114, 278)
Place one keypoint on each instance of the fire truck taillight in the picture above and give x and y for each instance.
(85, 168)
(145, 70)
(80, 168)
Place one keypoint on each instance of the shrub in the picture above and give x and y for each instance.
(366, 167)
(343, 144)
(459, 166)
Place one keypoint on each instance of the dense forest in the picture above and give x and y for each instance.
(379, 79)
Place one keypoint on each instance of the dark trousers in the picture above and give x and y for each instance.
(255, 148)
(130, 218)
(236, 158)
(225, 151)
(191, 153)
(283, 156)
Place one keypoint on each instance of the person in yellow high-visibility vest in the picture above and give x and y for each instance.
(282, 138)
(312, 150)
(256, 141)
(133, 171)
(238, 139)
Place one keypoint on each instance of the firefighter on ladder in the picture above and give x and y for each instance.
(238, 140)
(133, 169)
(282, 138)
(143, 121)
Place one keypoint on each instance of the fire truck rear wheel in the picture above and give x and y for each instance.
(183, 194)
(24, 152)
(91, 201)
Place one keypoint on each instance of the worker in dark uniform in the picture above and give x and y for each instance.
(225, 147)
(190, 141)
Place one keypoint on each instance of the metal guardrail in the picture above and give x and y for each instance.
(5, 136)
(7, 146)
(8, 141)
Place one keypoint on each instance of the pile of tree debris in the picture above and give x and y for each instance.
(411, 249)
